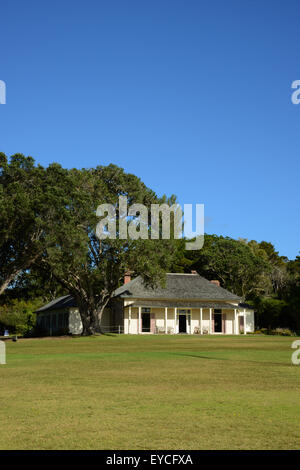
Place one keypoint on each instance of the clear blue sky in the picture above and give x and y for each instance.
(192, 96)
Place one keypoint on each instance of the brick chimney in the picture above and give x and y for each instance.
(127, 277)
(215, 282)
(194, 272)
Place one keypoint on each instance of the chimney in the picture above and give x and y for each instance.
(193, 272)
(127, 277)
(217, 283)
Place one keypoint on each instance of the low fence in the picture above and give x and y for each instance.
(116, 329)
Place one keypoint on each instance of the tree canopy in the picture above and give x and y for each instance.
(31, 200)
(91, 269)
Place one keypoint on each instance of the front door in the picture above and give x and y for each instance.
(218, 322)
(182, 323)
(241, 324)
(146, 322)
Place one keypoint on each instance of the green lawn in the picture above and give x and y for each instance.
(150, 392)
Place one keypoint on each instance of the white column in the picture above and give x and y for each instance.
(235, 323)
(175, 315)
(201, 318)
(210, 321)
(140, 321)
(245, 322)
(129, 319)
(166, 320)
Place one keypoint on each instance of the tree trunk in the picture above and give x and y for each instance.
(5, 283)
(91, 313)
(99, 318)
(91, 319)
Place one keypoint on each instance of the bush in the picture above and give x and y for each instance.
(275, 332)
(18, 316)
(283, 332)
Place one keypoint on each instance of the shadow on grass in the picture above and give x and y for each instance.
(264, 363)
(202, 357)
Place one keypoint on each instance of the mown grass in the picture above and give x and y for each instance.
(150, 392)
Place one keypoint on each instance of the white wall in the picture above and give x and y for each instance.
(250, 321)
(195, 320)
(75, 324)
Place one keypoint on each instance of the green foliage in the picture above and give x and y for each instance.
(230, 261)
(269, 311)
(32, 198)
(255, 272)
(274, 332)
(91, 269)
(18, 316)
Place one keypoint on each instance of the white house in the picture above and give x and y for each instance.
(188, 304)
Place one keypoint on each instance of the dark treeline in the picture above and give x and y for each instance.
(48, 248)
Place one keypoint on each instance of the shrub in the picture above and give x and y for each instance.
(275, 332)
(283, 332)
(18, 316)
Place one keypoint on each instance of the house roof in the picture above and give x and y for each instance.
(66, 301)
(192, 290)
(178, 286)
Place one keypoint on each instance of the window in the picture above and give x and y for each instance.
(146, 310)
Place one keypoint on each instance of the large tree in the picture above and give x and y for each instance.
(230, 261)
(31, 198)
(89, 268)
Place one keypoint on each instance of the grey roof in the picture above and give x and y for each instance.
(66, 301)
(178, 286)
(192, 287)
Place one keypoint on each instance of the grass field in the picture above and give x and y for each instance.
(150, 392)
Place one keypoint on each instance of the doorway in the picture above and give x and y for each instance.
(146, 322)
(182, 323)
(218, 322)
(241, 324)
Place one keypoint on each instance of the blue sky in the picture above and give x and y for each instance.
(192, 96)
